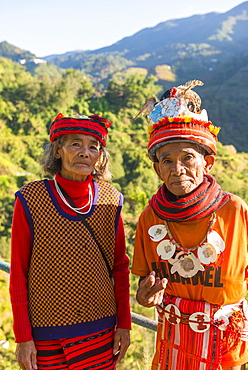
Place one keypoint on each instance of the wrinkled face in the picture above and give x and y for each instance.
(79, 154)
(182, 167)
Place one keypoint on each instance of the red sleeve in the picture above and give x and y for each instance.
(121, 279)
(20, 258)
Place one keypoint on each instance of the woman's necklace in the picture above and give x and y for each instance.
(75, 209)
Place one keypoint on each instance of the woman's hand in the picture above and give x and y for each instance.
(121, 343)
(26, 355)
(151, 290)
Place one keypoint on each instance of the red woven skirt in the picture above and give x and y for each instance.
(182, 346)
(86, 352)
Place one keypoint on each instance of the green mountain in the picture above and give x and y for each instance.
(12, 52)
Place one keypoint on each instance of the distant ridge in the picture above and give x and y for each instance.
(207, 36)
(217, 29)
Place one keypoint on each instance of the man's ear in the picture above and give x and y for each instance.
(157, 170)
(209, 162)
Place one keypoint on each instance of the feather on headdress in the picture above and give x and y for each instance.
(178, 116)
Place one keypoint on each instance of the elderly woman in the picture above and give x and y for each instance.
(69, 281)
(191, 244)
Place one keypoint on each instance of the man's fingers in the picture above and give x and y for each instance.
(148, 282)
(156, 298)
(151, 290)
(155, 295)
(164, 282)
(160, 285)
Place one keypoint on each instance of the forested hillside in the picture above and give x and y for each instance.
(29, 102)
(211, 47)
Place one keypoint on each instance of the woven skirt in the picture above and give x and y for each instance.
(94, 351)
(187, 336)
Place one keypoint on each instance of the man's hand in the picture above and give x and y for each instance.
(151, 290)
(26, 355)
(121, 343)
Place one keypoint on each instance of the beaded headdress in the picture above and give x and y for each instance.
(178, 117)
(93, 125)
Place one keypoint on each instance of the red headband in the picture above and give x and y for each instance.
(93, 125)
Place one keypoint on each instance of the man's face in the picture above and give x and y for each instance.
(182, 167)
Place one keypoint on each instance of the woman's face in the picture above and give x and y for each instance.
(182, 167)
(79, 154)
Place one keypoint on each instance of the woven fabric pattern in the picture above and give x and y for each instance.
(68, 278)
(85, 352)
(183, 348)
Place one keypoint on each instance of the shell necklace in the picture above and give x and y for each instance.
(75, 209)
(185, 262)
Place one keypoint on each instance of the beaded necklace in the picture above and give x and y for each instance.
(179, 246)
(75, 209)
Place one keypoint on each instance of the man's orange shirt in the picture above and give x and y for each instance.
(224, 285)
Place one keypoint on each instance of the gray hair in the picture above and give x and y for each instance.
(199, 148)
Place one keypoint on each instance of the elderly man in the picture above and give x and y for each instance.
(191, 244)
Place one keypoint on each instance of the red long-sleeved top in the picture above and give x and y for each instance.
(21, 254)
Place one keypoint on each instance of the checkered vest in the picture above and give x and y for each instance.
(68, 279)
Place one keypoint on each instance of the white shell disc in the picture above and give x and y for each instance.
(186, 264)
(227, 310)
(172, 314)
(199, 322)
(216, 240)
(220, 316)
(157, 232)
(245, 308)
(207, 254)
(166, 249)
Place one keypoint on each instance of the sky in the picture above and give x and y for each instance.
(46, 27)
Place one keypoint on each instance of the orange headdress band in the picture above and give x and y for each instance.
(170, 129)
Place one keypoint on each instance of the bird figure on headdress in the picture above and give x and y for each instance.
(185, 92)
(147, 107)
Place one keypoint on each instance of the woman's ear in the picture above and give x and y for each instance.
(209, 162)
(57, 155)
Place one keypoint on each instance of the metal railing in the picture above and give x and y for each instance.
(136, 318)
(4, 266)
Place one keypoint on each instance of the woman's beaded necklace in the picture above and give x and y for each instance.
(75, 209)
